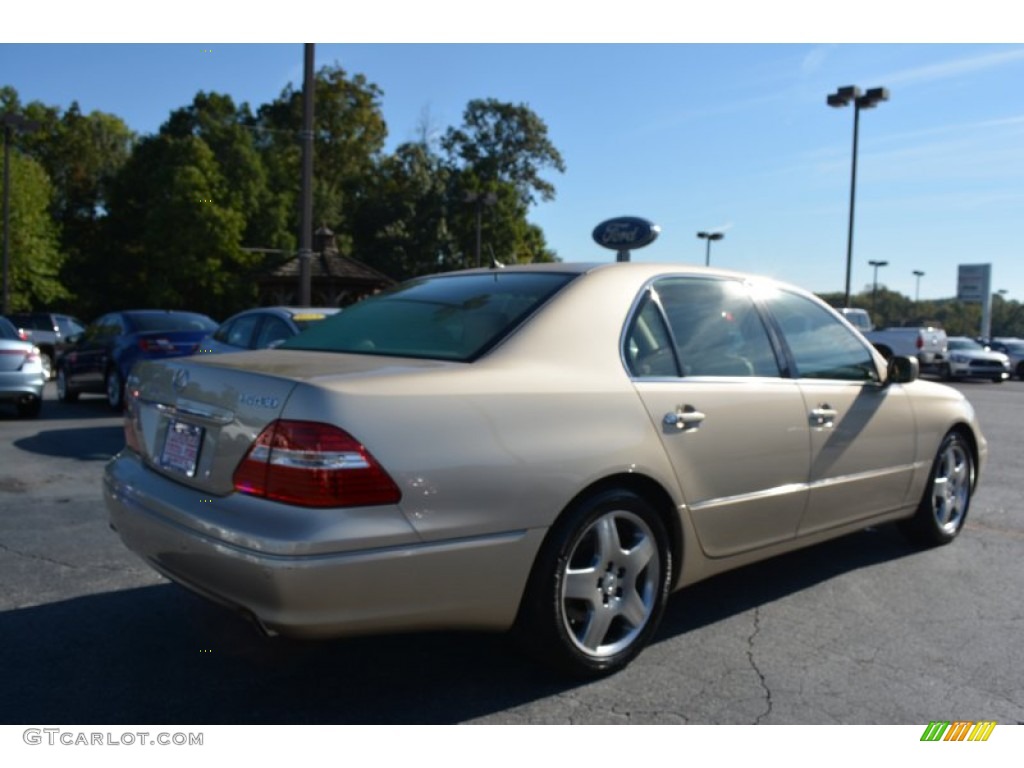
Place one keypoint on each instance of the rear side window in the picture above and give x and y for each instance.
(713, 329)
(171, 321)
(449, 317)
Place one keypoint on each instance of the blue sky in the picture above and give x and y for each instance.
(693, 135)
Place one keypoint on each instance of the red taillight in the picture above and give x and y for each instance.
(920, 342)
(22, 335)
(310, 464)
(156, 345)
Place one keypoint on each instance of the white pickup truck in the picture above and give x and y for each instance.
(927, 343)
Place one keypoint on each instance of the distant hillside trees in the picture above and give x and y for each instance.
(190, 216)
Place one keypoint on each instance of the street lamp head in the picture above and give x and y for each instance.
(872, 97)
(710, 235)
(879, 263)
(918, 273)
(843, 96)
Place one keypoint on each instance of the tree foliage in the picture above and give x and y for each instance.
(33, 241)
(957, 318)
(184, 218)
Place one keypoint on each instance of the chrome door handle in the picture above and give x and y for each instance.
(823, 416)
(684, 418)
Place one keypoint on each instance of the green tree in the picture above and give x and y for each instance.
(496, 158)
(33, 242)
(349, 134)
(501, 142)
(81, 155)
(401, 226)
(173, 233)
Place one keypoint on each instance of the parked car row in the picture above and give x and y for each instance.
(98, 358)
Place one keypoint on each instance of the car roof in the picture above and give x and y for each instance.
(636, 268)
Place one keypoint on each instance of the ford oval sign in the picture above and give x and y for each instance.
(624, 233)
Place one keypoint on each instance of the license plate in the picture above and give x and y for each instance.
(181, 448)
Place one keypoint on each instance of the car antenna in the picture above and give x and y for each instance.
(495, 264)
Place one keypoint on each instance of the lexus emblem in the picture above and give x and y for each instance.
(180, 380)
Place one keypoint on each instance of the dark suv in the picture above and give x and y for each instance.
(49, 331)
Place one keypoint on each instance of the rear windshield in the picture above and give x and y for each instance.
(449, 317)
(170, 321)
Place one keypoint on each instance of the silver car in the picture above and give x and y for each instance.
(551, 448)
(22, 375)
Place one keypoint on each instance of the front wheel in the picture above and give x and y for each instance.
(599, 585)
(947, 497)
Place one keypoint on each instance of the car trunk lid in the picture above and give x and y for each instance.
(194, 419)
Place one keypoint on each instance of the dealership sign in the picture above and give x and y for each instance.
(974, 283)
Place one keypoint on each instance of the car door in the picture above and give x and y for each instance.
(862, 430)
(735, 430)
(87, 363)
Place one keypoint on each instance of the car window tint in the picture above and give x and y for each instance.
(716, 328)
(7, 330)
(274, 330)
(649, 351)
(821, 345)
(171, 321)
(447, 317)
(238, 333)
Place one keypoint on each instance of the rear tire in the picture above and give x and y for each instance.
(943, 509)
(599, 585)
(64, 391)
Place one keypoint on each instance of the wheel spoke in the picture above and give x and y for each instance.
(608, 546)
(582, 585)
(597, 627)
(633, 608)
(639, 556)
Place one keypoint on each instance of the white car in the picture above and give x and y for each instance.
(967, 359)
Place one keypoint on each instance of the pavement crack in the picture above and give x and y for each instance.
(757, 670)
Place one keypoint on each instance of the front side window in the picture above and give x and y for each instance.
(449, 317)
(713, 329)
(822, 347)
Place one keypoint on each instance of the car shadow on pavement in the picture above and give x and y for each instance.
(159, 655)
(84, 443)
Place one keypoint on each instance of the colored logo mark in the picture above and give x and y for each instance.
(959, 730)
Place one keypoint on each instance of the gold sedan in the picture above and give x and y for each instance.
(551, 448)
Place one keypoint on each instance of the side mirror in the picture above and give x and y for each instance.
(902, 370)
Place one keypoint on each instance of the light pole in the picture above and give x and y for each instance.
(306, 197)
(841, 98)
(709, 236)
(481, 200)
(917, 288)
(874, 286)
(11, 123)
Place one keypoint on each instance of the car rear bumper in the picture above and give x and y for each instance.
(386, 584)
(16, 385)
